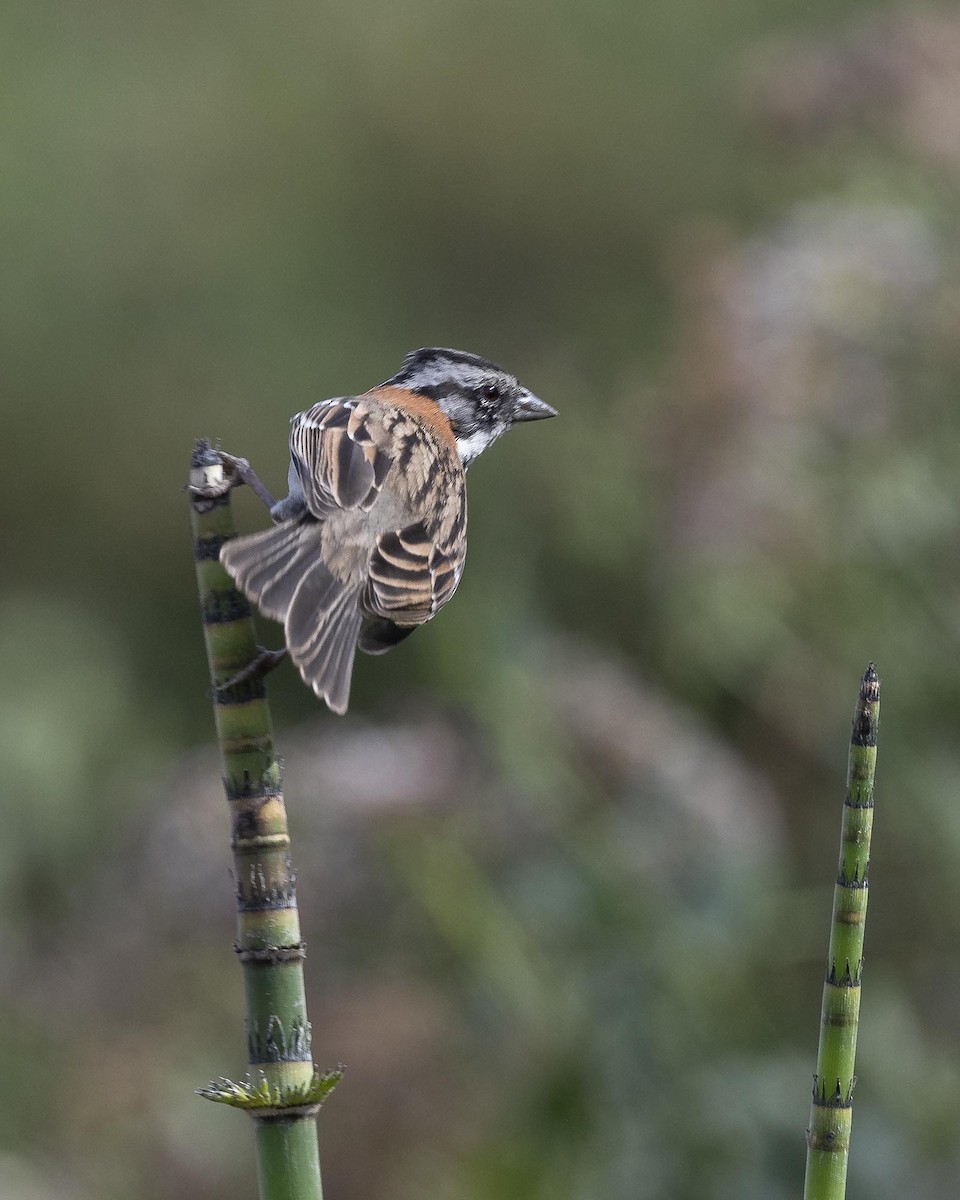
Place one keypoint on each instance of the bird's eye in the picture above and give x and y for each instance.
(491, 391)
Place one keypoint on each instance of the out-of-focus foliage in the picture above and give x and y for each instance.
(566, 869)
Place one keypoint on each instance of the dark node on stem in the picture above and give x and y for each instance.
(207, 548)
(275, 1044)
(847, 979)
(838, 1099)
(254, 894)
(247, 837)
(242, 692)
(865, 718)
(854, 881)
(273, 956)
(220, 607)
(268, 785)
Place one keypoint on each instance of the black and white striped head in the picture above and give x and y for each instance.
(480, 399)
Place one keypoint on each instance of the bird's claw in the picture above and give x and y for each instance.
(208, 479)
(214, 472)
(265, 662)
(238, 471)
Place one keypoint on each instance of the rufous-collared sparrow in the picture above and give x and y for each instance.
(371, 539)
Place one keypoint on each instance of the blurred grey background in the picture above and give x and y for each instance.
(566, 867)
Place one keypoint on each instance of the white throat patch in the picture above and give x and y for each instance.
(470, 447)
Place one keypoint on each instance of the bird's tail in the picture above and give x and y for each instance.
(282, 572)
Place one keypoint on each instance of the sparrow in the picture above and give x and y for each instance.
(371, 539)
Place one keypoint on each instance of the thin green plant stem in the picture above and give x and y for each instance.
(831, 1112)
(284, 1090)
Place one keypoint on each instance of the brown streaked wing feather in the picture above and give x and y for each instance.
(337, 460)
(411, 576)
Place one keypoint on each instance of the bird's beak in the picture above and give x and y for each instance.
(531, 408)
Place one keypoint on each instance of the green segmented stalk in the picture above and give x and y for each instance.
(284, 1089)
(828, 1138)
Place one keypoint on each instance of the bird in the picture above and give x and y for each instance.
(370, 541)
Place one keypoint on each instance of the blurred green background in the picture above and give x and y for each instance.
(566, 867)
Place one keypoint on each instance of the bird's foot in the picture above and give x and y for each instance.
(239, 471)
(265, 662)
(213, 473)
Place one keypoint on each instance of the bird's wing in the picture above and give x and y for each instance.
(334, 448)
(413, 573)
(343, 450)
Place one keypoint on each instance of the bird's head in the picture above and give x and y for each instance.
(480, 399)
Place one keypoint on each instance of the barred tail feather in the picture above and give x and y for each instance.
(281, 571)
(322, 627)
(267, 567)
